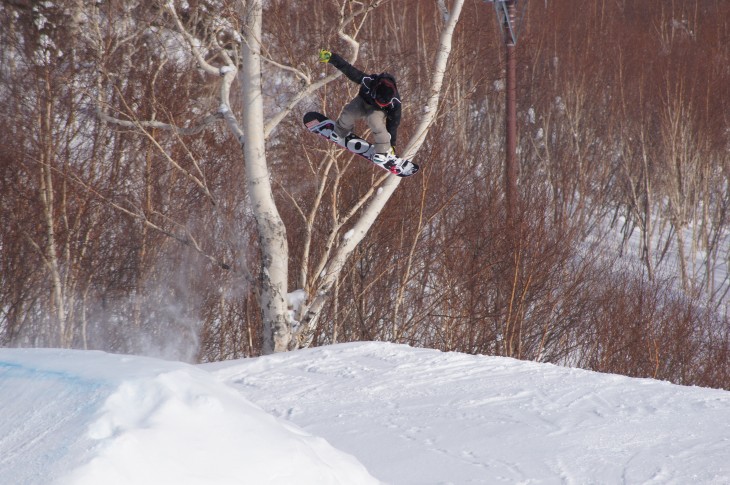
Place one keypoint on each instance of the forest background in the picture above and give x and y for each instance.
(128, 224)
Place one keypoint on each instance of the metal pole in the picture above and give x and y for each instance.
(511, 116)
(512, 334)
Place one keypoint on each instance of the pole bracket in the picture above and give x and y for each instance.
(509, 25)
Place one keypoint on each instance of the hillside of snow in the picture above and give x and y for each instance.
(350, 413)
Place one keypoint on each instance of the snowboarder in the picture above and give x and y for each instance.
(377, 101)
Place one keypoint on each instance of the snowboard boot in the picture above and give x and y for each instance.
(388, 161)
(382, 158)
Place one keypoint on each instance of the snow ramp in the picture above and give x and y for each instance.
(81, 417)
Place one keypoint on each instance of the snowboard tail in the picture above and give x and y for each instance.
(323, 126)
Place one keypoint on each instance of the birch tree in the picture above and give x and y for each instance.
(240, 62)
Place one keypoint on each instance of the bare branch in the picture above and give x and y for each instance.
(159, 125)
(187, 239)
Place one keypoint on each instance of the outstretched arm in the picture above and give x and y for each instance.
(353, 74)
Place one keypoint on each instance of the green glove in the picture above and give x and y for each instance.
(324, 55)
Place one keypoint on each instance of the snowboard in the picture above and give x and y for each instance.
(323, 126)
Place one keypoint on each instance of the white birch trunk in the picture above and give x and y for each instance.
(51, 258)
(272, 233)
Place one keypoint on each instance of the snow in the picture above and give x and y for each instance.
(94, 418)
(350, 413)
(295, 300)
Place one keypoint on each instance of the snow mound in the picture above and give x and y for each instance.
(76, 418)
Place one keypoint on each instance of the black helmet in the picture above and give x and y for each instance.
(384, 91)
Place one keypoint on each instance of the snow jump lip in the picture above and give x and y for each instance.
(91, 418)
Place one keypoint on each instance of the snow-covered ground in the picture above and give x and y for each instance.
(389, 413)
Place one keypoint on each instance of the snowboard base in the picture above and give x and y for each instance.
(325, 127)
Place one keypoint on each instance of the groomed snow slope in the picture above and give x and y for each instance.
(416, 416)
(411, 416)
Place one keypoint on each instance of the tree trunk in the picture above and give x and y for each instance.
(272, 233)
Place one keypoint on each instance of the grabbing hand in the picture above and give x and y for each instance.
(324, 55)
